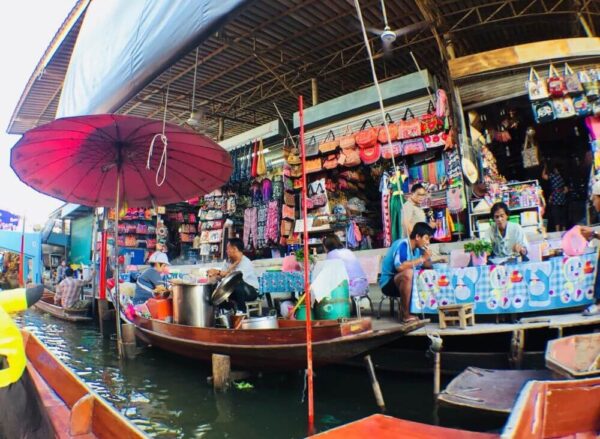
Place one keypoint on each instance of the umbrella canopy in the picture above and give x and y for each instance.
(78, 160)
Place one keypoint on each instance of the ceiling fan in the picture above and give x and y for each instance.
(389, 36)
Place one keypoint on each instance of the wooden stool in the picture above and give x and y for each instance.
(254, 306)
(461, 313)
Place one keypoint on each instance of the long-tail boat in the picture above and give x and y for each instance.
(73, 408)
(577, 356)
(267, 349)
(46, 304)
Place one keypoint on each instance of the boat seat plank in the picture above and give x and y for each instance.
(387, 427)
(489, 389)
(81, 416)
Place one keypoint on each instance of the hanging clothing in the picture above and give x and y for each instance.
(272, 227)
(396, 212)
(385, 209)
(250, 227)
(261, 239)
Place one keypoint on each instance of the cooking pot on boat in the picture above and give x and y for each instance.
(266, 322)
(192, 305)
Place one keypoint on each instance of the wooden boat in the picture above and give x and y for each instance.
(73, 408)
(488, 389)
(556, 409)
(46, 304)
(577, 356)
(264, 349)
(387, 427)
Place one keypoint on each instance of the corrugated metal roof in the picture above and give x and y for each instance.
(271, 49)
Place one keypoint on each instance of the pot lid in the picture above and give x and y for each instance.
(225, 288)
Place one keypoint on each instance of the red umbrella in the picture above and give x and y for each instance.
(105, 159)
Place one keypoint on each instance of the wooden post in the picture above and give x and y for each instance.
(449, 46)
(314, 88)
(105, 317)
(221, 372)
(517, 344)
(221, 129)
(375, 384)
(129, 347)
(436, 373)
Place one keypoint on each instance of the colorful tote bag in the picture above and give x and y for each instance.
(572, 82)
(536, 87)
(543, 111)
(556, 83)
(563, 107)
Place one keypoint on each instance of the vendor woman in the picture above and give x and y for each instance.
(507, 238)
(247, 289)
(150, 282)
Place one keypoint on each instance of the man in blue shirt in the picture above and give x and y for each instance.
(399, 263)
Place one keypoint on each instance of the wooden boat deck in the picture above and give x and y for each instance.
(489, 390)
(558, 321)
(46, 304)
(387, 427)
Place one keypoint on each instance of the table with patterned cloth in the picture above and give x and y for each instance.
(281, 282)
(559, 282)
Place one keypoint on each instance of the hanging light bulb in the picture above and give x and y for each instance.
(195, 116)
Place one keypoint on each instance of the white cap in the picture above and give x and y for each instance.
(159, 257)
(596, 188)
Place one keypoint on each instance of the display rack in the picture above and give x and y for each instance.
(521, 197)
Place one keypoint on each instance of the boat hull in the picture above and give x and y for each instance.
(270, 349)
(46, 304)
(577, 356)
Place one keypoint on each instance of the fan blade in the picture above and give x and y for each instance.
(410, 28)
(387, 48)
(374, 30)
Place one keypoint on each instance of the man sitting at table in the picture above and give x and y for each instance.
(398, 266)
(507, 238)
(247, 289)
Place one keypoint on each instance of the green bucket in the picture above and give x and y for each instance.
(333, 309)
(301, 313)
(342, 291)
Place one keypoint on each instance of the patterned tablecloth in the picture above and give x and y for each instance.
(281, 282)
(559, 282)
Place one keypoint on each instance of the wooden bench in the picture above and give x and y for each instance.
(461, 313)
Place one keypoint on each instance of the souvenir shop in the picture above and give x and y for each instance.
(533, 143)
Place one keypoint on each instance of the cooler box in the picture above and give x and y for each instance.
(337, 306)
(160, 309)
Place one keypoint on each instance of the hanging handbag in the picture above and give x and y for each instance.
(254, 166)
(313, 165)
(409, 128)
(289, 199)
(582, 106)
(370, 155)
(563, 107)
(536, 86)
(349, 157)
(590, 83)
(530, 151)
(430, 123)
(296, 171)
(347, 140)
(329, 144)
(261, 164)
(287, 212)
(543, 111)
(392, 128)
(312, 148)
(413, 146)
(556, 83)
(316, 193)
(330, 162)
(572, 82)
(455, 199)
(366, 137)
(435, 140)
(391, 150)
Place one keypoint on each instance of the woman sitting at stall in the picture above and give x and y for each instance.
(357, 278)
(150, 282)
(507, 238)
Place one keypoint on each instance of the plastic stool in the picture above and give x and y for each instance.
(254, 306)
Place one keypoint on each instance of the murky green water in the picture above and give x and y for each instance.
(168, 396)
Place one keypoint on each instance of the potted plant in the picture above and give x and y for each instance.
(300, 258)
(479, 249)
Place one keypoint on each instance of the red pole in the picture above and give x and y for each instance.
(22, 257)
(307, 301)
(102, 287)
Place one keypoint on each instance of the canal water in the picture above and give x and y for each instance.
(168, 396)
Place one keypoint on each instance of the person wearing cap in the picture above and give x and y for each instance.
(589, 234)
(150, 281)
(247, 289)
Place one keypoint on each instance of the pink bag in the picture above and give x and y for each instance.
(573, 242)
(290, 264)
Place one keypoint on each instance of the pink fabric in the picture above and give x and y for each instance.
(75, 159)
(250, 227)
(272, 227)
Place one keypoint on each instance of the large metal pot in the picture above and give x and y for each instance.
(267, 322)
(191, 304)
